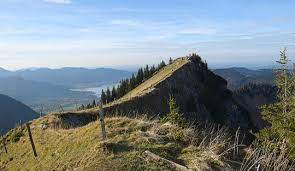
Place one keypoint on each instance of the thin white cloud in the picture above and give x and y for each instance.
(59, 1)
(198, 31)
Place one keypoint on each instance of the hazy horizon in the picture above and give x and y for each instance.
(135, 67)
(76, 33)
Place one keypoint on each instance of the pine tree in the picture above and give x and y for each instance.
(152, 70)
(132, 82)
(127, 85)
(170, 61)
(93, 103)
(108, 94)
(281, 115)
(139, 76)
(82, 107)
(114, 93)
(103, 97)
(146, 72)
(161, 65)
(174, 116)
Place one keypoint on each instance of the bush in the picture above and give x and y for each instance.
(174, 116)
(17, 135)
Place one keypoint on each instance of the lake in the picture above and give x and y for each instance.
(96, 90)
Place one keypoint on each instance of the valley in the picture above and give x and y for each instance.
(50, 90)
(178, 85)
(152, 118)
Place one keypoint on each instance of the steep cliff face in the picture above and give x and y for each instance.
(200, 94)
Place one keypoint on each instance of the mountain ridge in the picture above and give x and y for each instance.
(238, 77)
(72, 77)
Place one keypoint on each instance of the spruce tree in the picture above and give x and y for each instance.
(170, 61)
(146, 72)
(139, 76)
(132, 82)
(161, 65)
(103, 97)
(108, 94)
(93, 103)
(152, 70)
(114, 93)
(281, 115)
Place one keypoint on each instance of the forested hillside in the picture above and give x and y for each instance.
(239, 77)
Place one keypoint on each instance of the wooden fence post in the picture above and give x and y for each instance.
(4, 144)
(101, 118)
(31, 139)
(62, 109)
(41, 111)
(21, 125)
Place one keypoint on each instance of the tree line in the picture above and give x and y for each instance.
(128, 84)
(88, 106)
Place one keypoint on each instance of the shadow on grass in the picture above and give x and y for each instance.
(118, 147)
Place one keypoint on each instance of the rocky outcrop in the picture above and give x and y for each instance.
(200, 94)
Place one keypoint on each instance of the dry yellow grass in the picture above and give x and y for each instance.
(149, 84)
(127, 139)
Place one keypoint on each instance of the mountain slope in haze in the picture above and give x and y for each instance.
(238, 77)
(12, 111)
(36, 94)
(5, 73)
(71, 77)
(253, 96)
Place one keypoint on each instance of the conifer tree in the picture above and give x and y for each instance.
(88, 106)
(132, 82)
(174, 116)
(281, 115)
(170, 60)
(161, 65)
(108, 94)
(127, 85)
(93, 103)
(152, 70)
(139, 77)
(146, 72)
(103, 97)
(114, 93)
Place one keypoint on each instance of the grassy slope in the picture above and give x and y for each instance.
(81, 148)
(149, 84)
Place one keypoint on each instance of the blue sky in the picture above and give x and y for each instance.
(96, 33)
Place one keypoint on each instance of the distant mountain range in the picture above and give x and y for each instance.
(52, 87)
(238, 77)
(36, 94)
(12, 112)
(70, 77)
